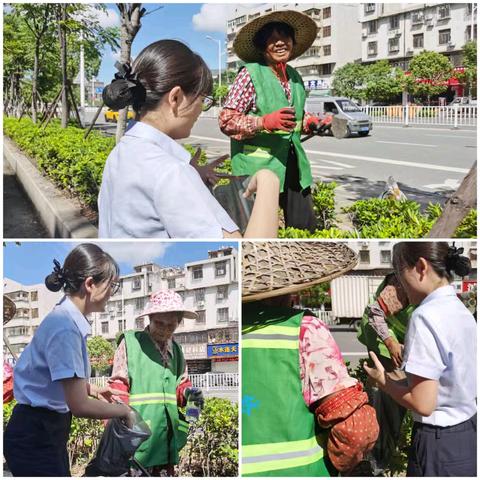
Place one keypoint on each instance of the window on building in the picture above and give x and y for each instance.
(385, 256)
(222, 292)
(394, 22)
(417, 17)
(326, 68)
(468, 33)
(139, 303)
(34, 312)
(197, 272)
(364, 256)
(327, 12)
(171, 283)
(220, 269)
(222, 315)
(137, 283)
(199, 295)
(372, 26)
(393, 44)
(418, 40)
(202, 317)
(444, 36)
(327, 50)
(443, 11)
(313, 52)
(372, 48)
(369, 8)
(121, 325)
(34, 296)
(119, 307)
(104, 327)
(327, 31)
(140, 323)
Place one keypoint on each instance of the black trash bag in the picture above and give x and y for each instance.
(117, 447)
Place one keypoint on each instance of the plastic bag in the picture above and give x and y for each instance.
(117, 447)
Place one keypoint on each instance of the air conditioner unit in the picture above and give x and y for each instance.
(429, 21)
(201, 304)
(409, 51)
(364, 35)
(450, 45)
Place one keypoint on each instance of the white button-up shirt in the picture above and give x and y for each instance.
(150, 190)
(441, 345)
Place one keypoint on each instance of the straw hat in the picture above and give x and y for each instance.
(9, 309)
(271, 269)
(305, 33)
(165, 301)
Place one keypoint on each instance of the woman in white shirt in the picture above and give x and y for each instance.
(440, 362)
(150, 186)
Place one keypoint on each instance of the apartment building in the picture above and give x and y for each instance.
(33, 303)
(337, 41)
(398, 31)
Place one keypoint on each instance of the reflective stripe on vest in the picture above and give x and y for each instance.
(152, 398)
(276, 456)
(271, 336)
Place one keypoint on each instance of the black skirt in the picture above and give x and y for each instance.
(35, 442)
(296, 203)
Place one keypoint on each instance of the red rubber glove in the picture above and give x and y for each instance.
(354, 427)
(283, 119)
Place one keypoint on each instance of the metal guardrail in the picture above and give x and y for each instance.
(455, 116)
(205, 381)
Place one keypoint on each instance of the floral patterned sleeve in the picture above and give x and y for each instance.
(120, 379)
(322, 368)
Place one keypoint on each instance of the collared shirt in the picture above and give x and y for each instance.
(441, 345)
(150, 190)
(57, 351)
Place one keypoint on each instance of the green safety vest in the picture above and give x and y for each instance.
(397, 327)
(270, 149)
(280, 436)
(153, 395)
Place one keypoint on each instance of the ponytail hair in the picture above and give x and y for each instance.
(85, 260)
(445, 259)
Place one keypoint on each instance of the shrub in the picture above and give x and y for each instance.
(323, 196)
(212, 448)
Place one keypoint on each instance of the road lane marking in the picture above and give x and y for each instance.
(344, 165)
(407, 143)
(324, 167)
(449, 184)
(432, 129)
(388, 161)
(449, 136)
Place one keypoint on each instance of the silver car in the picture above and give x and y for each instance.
(358, 121)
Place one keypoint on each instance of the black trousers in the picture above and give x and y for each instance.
(35, 442)
(297, 204)
(444, 451)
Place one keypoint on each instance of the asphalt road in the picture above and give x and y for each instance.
(352, 350)
(428, 162)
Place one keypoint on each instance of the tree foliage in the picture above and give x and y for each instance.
(381, 81)
(348, 80)
(470, 64)
(429, 72)
(100, 352)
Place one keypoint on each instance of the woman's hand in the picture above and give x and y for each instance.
(105, 394)
(377, 373)
(396, 351)
(207, 172)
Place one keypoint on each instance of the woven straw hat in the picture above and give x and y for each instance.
(271, 269)
(305, 33)
(9, 309)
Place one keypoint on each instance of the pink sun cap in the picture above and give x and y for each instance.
(166, 301)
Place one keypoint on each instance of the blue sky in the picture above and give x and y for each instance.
(187, 22)
(30, 262)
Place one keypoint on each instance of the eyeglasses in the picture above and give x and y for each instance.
(207, 103)
(115, 287)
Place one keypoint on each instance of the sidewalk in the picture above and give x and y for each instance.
(20, 219)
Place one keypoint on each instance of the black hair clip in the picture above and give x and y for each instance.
(58, 270)
(125, 73)
(454, 252)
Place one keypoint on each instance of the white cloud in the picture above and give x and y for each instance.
(135, 253)
(212, 18)
(108, 18)
(115, 55)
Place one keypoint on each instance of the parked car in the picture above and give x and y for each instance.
(462, 101)
(112, 115)
(358, 121)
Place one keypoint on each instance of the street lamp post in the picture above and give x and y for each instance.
(219, 43)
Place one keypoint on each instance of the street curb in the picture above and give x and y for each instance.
(60, 216)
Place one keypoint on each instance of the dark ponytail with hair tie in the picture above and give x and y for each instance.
(124, 90)
(457, 262)
(56, 280)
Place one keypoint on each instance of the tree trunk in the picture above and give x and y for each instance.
(457, 207)
(63, 63)
(131, 15)
(34, 80)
